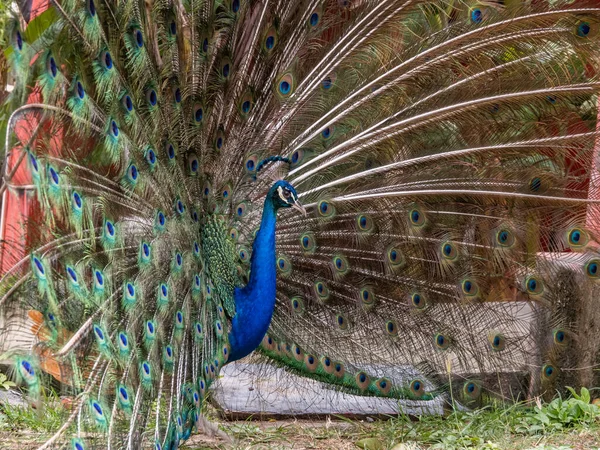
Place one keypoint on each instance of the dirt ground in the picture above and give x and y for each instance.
(334, 434)
(282, 434)
(341, 435)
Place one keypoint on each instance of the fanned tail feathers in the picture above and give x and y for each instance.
(444, 151)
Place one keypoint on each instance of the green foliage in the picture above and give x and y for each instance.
(5, 383)
(560, 414)
(479, 429)
(452, 441)
(494, 426)
(490, 428)
(4, 18)
(370, 444)
(25, 418)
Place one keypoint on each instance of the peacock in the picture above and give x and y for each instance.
(396, 198)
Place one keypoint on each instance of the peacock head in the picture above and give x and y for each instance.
(283, 195)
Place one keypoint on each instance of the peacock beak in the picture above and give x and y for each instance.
(299, 207)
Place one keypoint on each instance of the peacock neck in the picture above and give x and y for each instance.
(254, 304)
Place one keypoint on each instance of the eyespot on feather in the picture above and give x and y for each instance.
(284, 265)
(299, 157)
(325, 209)
(78, 90)
(394, 258)
(246, 104)
(311, 363)
(497, 341)
(315, 18)
(206, 189)
(340, 265)
(536, 185)
(151, 98)
(17, 40)
(297, 353)
(586, 27)
(235, 5)
(270, 39)
(321, 290)
(219, 140)
(362, 381)
(225, 68)
(204, 44)
(505, 238)
(172, 27)
(76, 201)
(106, 60)
(226, 192)
(113, 129)
(471, 390)
(549, 373)
(449, 251)
(560, 337)
(285, 86)
(136, 36)
(170, 151)
(417, 388)
(383, 385)
(150, 157)
(244, 254)
(329, 82)
(391, 328)
(367, 298)
(193, 164)
(160, 221)
(198, 113)
(364, 223)
(327, 365)
(577, 238)
(150, 330)
(339, 369)
(297, 305)
(176, 94)
(241, 210)
(234, 234)
(127, 103)
(251, 163)
(592, 269)
(417, 217)
(218, 328)
(328, 132)
(534, 286)
(469, 288)
(132, 175)
(478, 14)
(342, 322)
(418, 300)
(441, 341)
(308, 243)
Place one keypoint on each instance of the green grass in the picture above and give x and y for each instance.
(563, 424)
(484, 430)
(20, 418)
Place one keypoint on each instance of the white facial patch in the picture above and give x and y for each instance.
(282, 197)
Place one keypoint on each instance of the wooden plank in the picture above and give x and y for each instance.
(246, 390)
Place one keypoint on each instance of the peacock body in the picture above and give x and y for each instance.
(444, 152)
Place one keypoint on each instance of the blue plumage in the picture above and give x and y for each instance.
(255, 302)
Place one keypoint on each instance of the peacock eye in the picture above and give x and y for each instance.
(287, 193)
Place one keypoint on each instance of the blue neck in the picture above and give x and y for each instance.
(254, 304)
